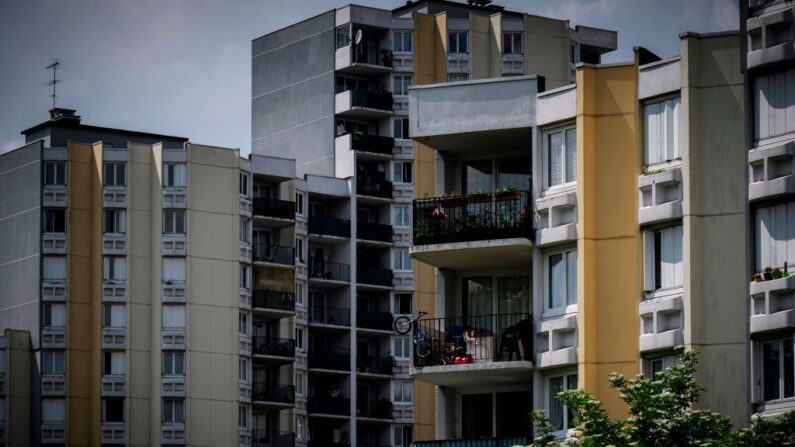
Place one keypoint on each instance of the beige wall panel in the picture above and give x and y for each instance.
(546, 50)
(480, 47)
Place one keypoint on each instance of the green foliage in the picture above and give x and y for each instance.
(661, 414)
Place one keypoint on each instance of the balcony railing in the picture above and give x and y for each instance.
(374, 232)
(480, 442)
(338, 361)
(333, 271)
(375, 320)
(279, 347)
(372, 364)
(273, 392)
(473, 339)
(329, 405)
(372, 56)
(472, 217)
(372, 143)
(270, 438)
(374, 187)
(330, 226)
(265, 299)
(376, 276)
(273, 253)
(378, 409)
(371, 100)
(336, 316)
(283, 209)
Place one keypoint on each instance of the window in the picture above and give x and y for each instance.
(299, 293)
(778, 370)
(774, 104)
(53, 410)
(52, 362)
(299, 339)
(242, 416)
(114, 221)
(243, 184)
(559, 415)
(299, 383)
(401, 84)
(173, 222)
(661, 131)
(173, 270)
(174, 175)
(512, 43)
(403, 392)
(400, 129)
(299, 204)
(401, 171)
(402, 347)
(401, 216)
(245, 276)
(55, 173)
(403, 436)
(54, 268)
(54, 220)
(242, 323)
(560, 156)
(174, 411)
(343, 37)
(774, 236)
(403, 304)
(402, 41)
(662, 258)
(173, 316)
(299, 249)
(245, 230)
(402, 260)
(173, 363)
(112, 409)
(114, 315)
(654, 365)
(54, 315)
(115, 174)
(457, 77)
(242, 374)
(115, 268)
(300, 432)
(562, 279)
(113, 362)
(457, 42)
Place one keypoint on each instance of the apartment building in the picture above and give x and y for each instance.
(332, 92)
(767, 39)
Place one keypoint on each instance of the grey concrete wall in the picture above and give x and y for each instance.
(20, 239)
(659, 78)
(292, 94)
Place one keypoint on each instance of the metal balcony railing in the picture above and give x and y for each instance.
(368, 186)
(371, 100)
(372, 143)
(329, 405)
(273, 253)
(334, 271)
(473, 217)
(338, 361)
(473, 339)
(273, 392)
(378, 409)
(283, 209)
(374, 232)
(336, 316)
(372, 364)
(373, 55)
(375, 320)
(330, 226)
(265, 299)
(279, 347)
(271, 438)
(376, 276)
(480, 442)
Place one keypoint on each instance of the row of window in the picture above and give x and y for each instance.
(114, 173)
(114, 221)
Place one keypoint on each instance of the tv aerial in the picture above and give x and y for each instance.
(56, 63)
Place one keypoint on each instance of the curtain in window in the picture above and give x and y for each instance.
(173, 269)
(671, 257)
(479, 296)
(557, 274)
(174, 316)
(53, 410)
(554, 158)
(117, 361)
(661, 135)
(54, 268)
(571, 155)
(115, 268)
(774, 101)
(775, 236)
(118, 315)
(555, 406)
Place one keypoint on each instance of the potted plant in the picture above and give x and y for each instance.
(479, 197)
(758, 278)
(768, 275)
(506, 193)
(777, 273)
(451, 200)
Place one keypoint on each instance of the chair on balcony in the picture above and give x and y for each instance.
(514, 340)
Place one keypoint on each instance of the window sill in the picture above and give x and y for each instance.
(559, 189)
(663, 293)
(655, 168)
(559, 311)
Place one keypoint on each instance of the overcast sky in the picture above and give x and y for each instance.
(183, 67)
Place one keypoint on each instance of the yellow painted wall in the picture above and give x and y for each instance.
(607, 262)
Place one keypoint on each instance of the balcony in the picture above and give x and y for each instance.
(276, 304)
(375, 409)
(373, 61)
(661, 323)
(272, 395)
(332, 361)
(273, 349)
(363, 104)
(374, 187)
(374, 276)
(366, 231)
(379, 321)
(480, 442)
(773, 305)
(329, 226)
(369, 146)
(273, 254)
(465, 351)
(379, 365)
(557, 342)
(465, 232)
(283, 210)
(329, 273)
(327, 405)
(771, 171)
(329, 316)
(660, 196)
(270, 438)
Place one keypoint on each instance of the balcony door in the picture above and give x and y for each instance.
(477, 416)
(510, 296)
(478, 176)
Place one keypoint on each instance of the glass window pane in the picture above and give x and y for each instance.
(555, 407)
(554, 160)
(477, 176)
(571, 277)
(789, 370)
(514, 172)
(556, 279)
(513, 294)
(771, 358)
(571, 155)
(479, 297)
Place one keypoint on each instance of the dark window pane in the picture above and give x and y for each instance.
(771, 358)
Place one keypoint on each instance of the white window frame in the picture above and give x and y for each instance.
(567, 425)
(667, 361)
(402, 124)
(58, 173)
(401, 385)
(118, 362)
(242, 416)
(404, 345)
(457, 49)
(176, 408)
(400, 441)
(668, 149)
(401, 216)
(405, 256)
(174, 227)
(563, 129)
(513, 35)
(53, 315)
(242, 370)
(244, 185)
(114, 181)
(53, 363)
(109, 317)
(457, 77)
(174, 175)
(300, 428)
(299, 383)
(402, 166)
(299, 339)
(119, 220)
(299, 204)
(299, 293)
(649, 258)
(176, 311)
(396, 302)
(567, 307)
(114, 268)
(243, 323)
(173, 371)
(245, 277)
(401, 84)
(400, 36)
(760, 362)
(762, 108)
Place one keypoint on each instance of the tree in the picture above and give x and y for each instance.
(661, 414)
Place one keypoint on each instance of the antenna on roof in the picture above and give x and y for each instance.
(56, 63)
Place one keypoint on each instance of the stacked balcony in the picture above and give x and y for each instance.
(273, 350)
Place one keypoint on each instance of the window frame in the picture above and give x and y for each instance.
(676, 130)
(406, 167)
(115, 175)
(760, 362)
(169, 175)
(402, 384)
(566, 307)
(650, 259)
(563, 129)
(457, 77)
(401, 123)
(513, 35)
(174, 221)
(403, 258)
(118, 220)
(402, 47)
(177, 369)
(547, 403)
(401, 84)
(459, 34)
(404, 212)
(177, 409)
(405, 347)
(51, 224)
(58, 173)
(56, 363)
